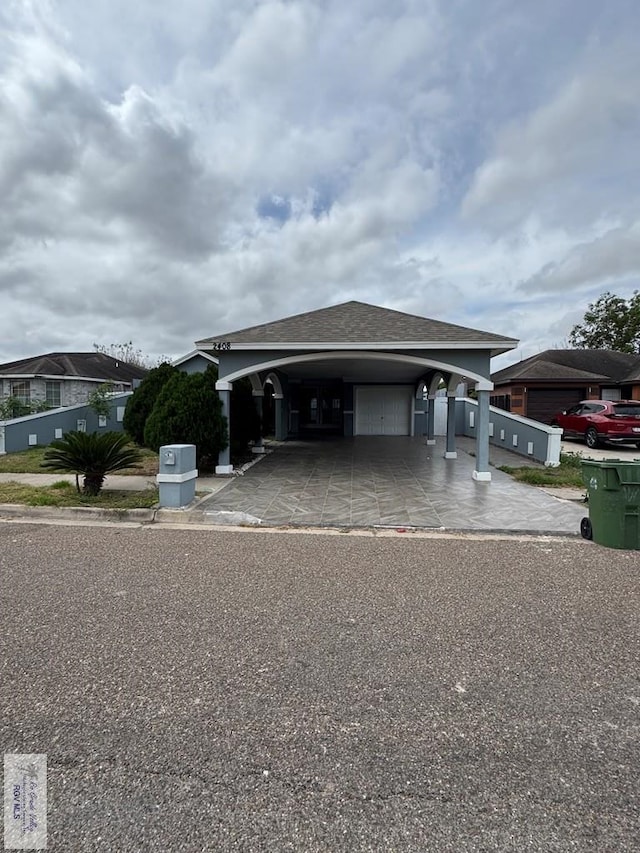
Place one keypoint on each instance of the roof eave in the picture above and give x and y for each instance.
(532, 380)
(496, 347)
(63, 377)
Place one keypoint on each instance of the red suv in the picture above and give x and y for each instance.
(601, 420)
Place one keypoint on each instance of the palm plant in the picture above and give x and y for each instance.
(92, 455)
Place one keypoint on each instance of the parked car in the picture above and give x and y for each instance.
(600, 421)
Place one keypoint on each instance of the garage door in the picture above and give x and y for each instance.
(383, 410)
(544, 403)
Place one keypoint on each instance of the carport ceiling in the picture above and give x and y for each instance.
(356, 369)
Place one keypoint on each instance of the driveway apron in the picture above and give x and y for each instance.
(384, 481)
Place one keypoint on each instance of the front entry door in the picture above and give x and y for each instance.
(321, 409)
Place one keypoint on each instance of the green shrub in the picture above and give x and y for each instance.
(141, 403)
(12, 407)
(99, 399)
(92, 455)
(571, 460)
(189, 411)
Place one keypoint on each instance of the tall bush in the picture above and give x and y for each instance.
(188, 411)
(141, 403)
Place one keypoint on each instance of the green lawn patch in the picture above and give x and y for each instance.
(568, 473)
(23, 462)
(65, 494)
(29, 462)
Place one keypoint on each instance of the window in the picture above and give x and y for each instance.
(52, 390)
(611, 393)
(22, 391)
(501, 401)
(628, 409)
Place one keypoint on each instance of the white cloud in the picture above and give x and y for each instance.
(139, 144)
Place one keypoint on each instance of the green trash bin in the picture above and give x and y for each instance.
(613, 489)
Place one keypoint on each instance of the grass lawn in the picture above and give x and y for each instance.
(29, 462)
(65, 494)
(568, 473)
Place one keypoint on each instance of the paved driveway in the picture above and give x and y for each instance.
(627, 452)
(363, 482)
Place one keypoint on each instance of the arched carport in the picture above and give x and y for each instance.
(357, 369)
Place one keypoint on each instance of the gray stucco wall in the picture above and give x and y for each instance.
(43, 428)
(420, 415)
(513, 432)
(196, 364)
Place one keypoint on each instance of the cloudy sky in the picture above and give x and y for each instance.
(171, 170)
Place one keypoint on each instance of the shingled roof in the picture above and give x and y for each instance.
(89, 365)
(359, 323)
(571, 365)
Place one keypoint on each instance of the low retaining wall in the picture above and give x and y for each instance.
(45, 427)
(513, 432)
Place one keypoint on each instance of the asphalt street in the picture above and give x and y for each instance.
(209, 690)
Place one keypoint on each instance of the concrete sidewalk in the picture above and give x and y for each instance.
(114, 482)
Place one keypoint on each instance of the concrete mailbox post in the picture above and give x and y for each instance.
(177, 477)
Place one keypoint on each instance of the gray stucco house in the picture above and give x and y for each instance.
(65, 378)
(358, 369)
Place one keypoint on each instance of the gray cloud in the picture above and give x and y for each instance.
(614, 256)
(555, 162)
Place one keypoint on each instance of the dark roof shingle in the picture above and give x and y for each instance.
(357, 322)
(571, 365)
(91, 365)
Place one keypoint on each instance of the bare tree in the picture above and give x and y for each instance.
(129, 354)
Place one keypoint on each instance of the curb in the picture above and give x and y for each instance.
(222, 518)
(86, 513)
(212, 518)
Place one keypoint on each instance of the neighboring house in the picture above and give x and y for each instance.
(195, 361)
(553, 380)
(65, 378)
(358, 369)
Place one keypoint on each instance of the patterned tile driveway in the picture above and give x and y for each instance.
(364, 482)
